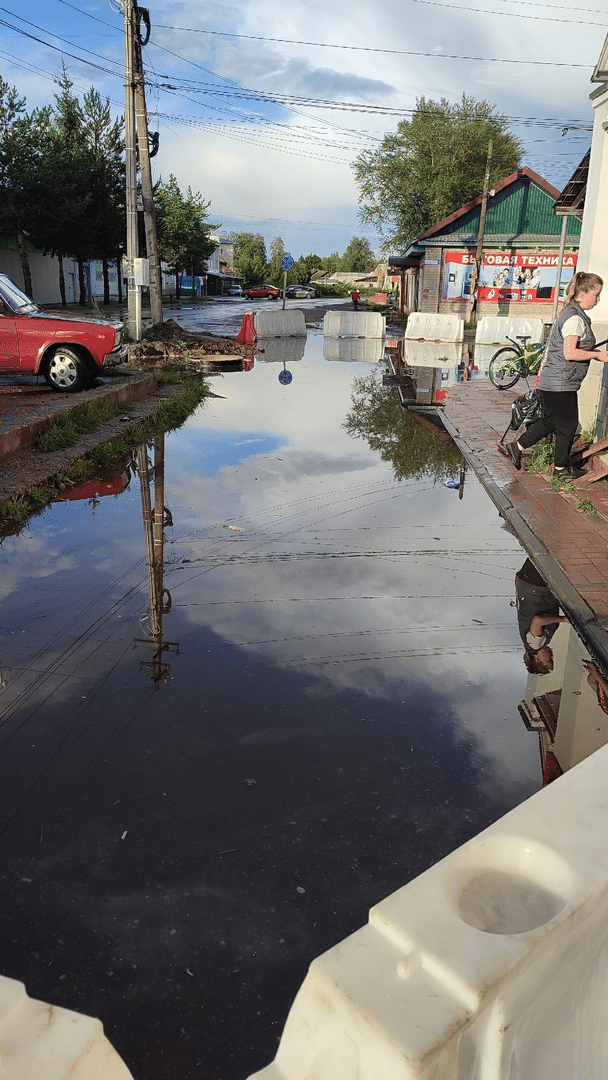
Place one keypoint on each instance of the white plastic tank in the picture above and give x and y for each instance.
(434, 327)
(492, 965)
(496, 329)
(275, 324)
(362, 324)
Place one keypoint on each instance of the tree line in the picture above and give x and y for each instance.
(251, 262)
(62, 189)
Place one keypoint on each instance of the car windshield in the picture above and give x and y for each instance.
(13, 297)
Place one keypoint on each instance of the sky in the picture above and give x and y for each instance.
(262, 108)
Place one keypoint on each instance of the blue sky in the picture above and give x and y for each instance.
(263, 107)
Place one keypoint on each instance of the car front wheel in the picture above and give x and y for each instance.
(66, 371)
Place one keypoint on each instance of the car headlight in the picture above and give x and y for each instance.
(117, 337)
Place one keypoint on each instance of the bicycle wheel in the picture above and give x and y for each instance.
(506, 368)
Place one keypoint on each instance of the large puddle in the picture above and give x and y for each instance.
(264, 677)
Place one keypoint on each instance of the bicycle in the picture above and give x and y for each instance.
(514, 362)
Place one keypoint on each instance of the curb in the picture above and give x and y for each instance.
(577, 608)
(133, 388)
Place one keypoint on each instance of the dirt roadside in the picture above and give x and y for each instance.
(28, 407)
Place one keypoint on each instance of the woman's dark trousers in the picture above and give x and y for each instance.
(560, 415)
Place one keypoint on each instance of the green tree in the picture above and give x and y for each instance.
(61, 225)
(277, 251)
(22, 141)
(414, 451)
(250, 260)
(433, 165)
(358, 256)
(107, 224)
(183, 230)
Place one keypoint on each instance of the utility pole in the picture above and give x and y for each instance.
(143, 142)
(482, 226)
(133, 292)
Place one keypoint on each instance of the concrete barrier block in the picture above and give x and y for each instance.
(496, 329)
(492, 964)
(357, 324)
(275, 324)
(433, 327)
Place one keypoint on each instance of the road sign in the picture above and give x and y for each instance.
(285, 377)
(287, 262)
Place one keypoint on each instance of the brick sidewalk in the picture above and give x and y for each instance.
(568, 546)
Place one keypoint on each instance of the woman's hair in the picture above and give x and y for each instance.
(536, 666)
(582, 282)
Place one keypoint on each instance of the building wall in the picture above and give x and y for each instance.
(594, 253)
(435, 267)
(45, 275)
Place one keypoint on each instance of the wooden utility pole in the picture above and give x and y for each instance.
(482, 228)
(133, 292)
(143, 144)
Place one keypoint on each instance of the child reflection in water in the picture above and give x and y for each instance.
(538, 617)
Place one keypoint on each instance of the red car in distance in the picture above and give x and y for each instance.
(261, 292)
(69, 351)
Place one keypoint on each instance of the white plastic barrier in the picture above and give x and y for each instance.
(271, 324)
(43, 1042)
(283, 350)
(432, 327)
(495, 329)
(492, 965)
(431, 353)
(363, 324)
(366, 350)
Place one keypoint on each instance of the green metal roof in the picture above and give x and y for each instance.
(517, 211)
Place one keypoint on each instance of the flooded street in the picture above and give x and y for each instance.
(224, 740)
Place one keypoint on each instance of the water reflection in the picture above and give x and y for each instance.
(156, 518)
(566, 699)
(415, 445)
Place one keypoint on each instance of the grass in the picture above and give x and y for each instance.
(16, 512)
(69, 427)
(542, 457)
(587, 507)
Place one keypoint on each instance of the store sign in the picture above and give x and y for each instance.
(505, 277)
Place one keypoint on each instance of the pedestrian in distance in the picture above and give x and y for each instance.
(570, 349)
(355, 297)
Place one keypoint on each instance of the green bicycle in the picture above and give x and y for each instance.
(514, 362)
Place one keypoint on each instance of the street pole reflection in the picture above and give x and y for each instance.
(156, 518)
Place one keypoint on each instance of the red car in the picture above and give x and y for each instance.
(68, 350)
(260, 292)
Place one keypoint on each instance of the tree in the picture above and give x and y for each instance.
(62, 224)
(414, 451)
(107, 222)
(250, 261)
(432, 166)
(183, 230)
(277, 251)
(22, 140)
(358, 256)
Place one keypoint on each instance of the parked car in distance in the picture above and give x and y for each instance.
(69, 351)
(234, 290)
(260, 292)
(300, 292)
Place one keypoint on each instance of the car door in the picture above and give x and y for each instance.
(9, 340)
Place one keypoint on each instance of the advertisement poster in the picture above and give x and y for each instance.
(504, 278)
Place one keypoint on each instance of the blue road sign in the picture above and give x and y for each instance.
(285, 377)
(287, 262)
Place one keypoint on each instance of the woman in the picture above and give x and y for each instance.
(538, 618)
(570, 348)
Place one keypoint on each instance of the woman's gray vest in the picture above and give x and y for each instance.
(556, 372)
